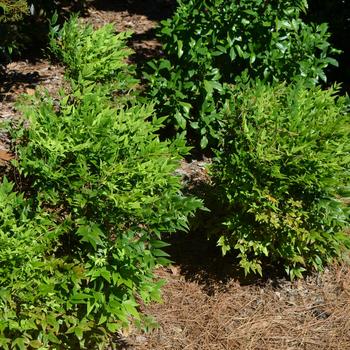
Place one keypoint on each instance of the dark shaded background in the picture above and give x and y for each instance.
(337, 14)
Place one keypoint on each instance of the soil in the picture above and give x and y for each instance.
(207, 304)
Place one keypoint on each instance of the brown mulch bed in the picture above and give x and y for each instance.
(309, 314)
(207, 305)
(141, 17)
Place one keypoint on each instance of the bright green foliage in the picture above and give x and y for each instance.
(93, 56)
(107, 191)
(212, 42)
(33, 282)
(94, 158)
(285, 157)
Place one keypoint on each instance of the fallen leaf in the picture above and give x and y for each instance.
(30, 92)
(4, 155)
(174, 270)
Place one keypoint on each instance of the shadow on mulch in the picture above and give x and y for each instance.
(142, 51)
(148, 35)
(10, 79)
(142, 16)
(153, 9)
(201, 260)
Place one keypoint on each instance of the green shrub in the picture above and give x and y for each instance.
(285, 157)
(33, 281)
(106, 183)
(191, 96)
(93, 56)
(93, 157)
(213, 42)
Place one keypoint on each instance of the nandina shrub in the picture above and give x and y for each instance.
(99, 172)
(110, 181)
(11, 11)
(93, 56)
(34, 281)
(209, 43)
(285, 157)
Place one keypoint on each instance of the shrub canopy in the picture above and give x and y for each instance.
(285, 158)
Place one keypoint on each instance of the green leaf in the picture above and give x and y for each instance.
(179, 48)
(332, 61)
(159, 252)
(36, 344)
(204, 142)
(91, 234)
(181, 121)
(130, 307)
(20, 343)
(159, 244)
(113, 327)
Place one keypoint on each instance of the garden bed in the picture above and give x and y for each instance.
(207, 305)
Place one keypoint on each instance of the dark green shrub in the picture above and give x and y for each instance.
(337, 14)
(285, 158)
(213, 42)
(106, 182)
(191, 96)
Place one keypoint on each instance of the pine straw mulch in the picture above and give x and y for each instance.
(309, 314)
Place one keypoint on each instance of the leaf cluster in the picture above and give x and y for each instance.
(285, 158)
(210, 43)
(10, 13)
(78, 257)
(75, 45)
